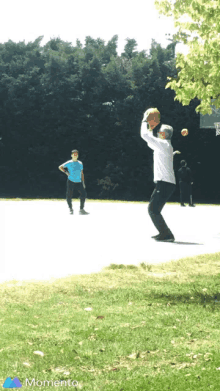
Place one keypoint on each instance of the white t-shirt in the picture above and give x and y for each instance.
(163, 155)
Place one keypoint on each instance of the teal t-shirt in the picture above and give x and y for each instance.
(75, 170)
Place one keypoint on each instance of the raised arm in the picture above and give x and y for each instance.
(154, 143)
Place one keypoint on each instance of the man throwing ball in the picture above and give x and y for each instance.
(158, 138)
(74, 170)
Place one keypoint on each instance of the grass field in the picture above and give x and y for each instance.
(153, 327)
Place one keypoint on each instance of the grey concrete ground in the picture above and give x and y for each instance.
(40, 240)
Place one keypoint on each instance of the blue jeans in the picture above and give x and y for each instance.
(159, 197)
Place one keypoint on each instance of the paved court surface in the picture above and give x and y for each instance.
(40, 240)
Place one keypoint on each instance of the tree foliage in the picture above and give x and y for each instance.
(59, 97)
(198, 23)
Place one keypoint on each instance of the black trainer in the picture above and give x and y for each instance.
(165, 237)
(71, 212)
(191, 204)
(182, 205)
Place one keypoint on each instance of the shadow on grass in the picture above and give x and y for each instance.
(115, 266)
(197, 295)
(194, 297)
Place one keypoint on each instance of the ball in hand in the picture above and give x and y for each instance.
(184, 132)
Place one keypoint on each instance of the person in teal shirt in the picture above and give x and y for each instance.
(74, 170)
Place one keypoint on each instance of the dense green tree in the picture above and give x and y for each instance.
(198, 71)
(58, 97)
(129, 49)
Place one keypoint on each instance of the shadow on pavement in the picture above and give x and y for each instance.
(197, 244)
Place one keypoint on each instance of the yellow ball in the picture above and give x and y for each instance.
(184, 132)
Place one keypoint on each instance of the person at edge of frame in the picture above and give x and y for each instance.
(185, 183)
(158, 137)
(76, 181)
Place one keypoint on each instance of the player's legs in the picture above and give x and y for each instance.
(187, 192)
(159, 197)
(182, 192)
(82, 192)
(190, 195)
(69, 193)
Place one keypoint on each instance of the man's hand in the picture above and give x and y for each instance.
(145, 120)
(145, 117)
(66, 171)
(176, 152)
(84, 184)
(61, 168)
(161, 135)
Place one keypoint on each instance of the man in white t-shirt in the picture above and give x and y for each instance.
(158, 137)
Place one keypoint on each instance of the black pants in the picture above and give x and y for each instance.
(71, 186)
(159, 197)
(185, 192)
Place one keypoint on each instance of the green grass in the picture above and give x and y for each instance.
(153, 327)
